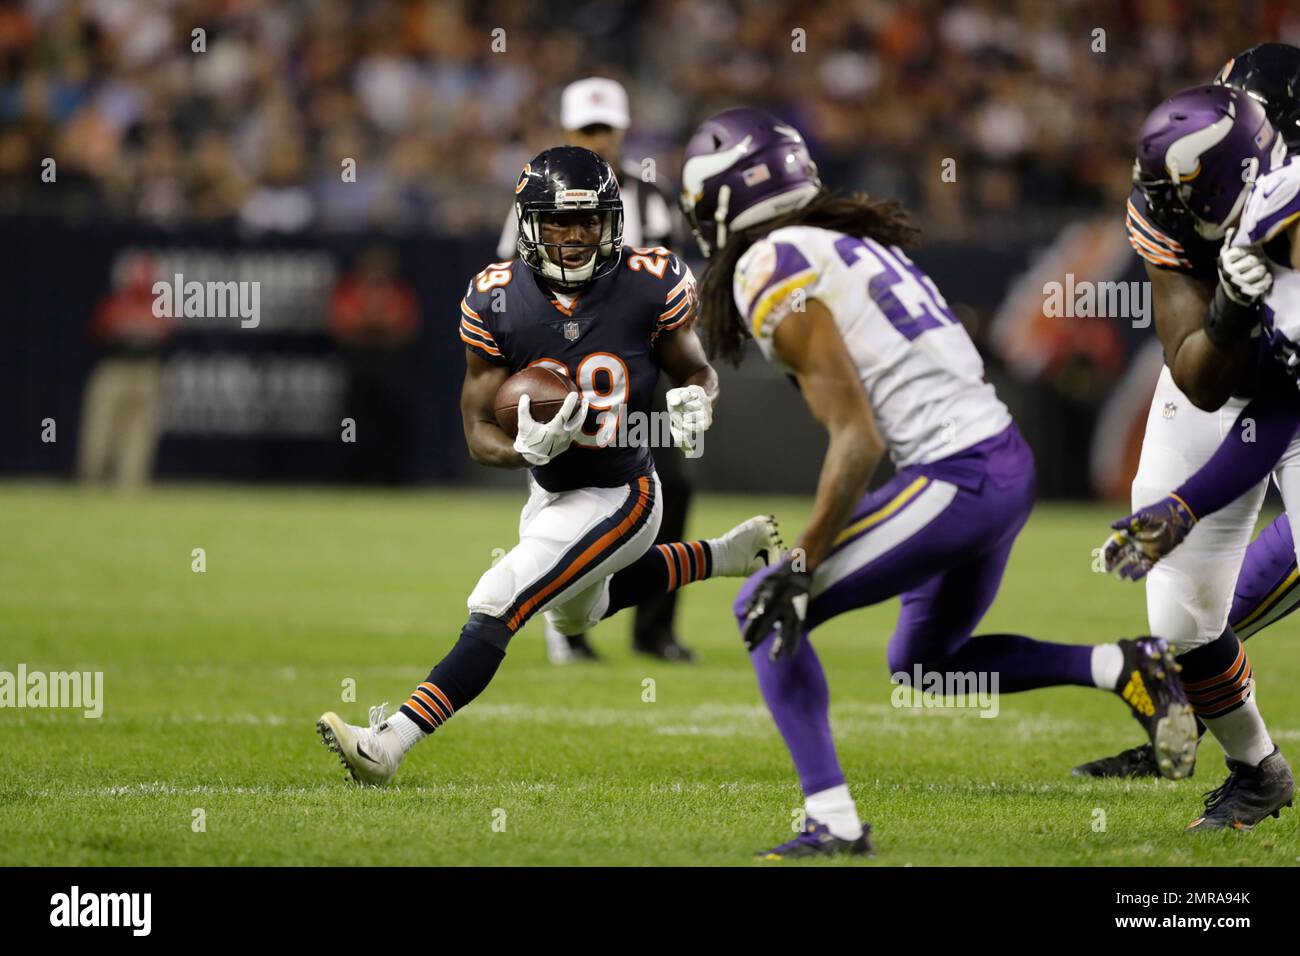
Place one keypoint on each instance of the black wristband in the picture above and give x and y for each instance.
(1228, 322)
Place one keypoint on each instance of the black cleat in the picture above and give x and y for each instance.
(1134, 762)
(817, 840)
(666, 648)
(1137, 761)
(579, 649)
(1248, 795)
(566, 648)
(1149, 685)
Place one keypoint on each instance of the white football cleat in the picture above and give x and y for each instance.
(557, 645)
(370, 754)
(746, 548)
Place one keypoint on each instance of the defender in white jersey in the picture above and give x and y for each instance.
(821, 283)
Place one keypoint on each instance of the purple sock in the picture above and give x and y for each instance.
(796, 694)
(1021, 663)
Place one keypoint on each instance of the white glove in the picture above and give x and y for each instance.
(539, 442)
(690, 413)
(1244, 273)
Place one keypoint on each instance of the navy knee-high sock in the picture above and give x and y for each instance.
(460, 676)
(664, 568)
(1216, 676)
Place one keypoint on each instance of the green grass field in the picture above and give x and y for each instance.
(213, 682)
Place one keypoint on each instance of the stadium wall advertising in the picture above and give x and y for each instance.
(266, 396)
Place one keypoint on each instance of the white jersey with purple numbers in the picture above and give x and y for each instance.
(922, 373)
(1272, 206)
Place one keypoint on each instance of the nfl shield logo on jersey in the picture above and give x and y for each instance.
(571, 331)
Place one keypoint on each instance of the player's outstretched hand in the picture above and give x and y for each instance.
(690, 413)
(539, 442)
(1146, 536)
(779, 603)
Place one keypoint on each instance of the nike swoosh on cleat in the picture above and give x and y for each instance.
(362, 753)
(762, 554)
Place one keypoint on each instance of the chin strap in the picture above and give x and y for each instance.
(568, 277)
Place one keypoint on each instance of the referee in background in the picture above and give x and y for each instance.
(594, 114)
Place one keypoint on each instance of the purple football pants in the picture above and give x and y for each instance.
(939, 535)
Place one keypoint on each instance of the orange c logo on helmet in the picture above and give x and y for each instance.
(523, 178)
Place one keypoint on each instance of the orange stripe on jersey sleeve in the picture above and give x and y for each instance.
(480, 345)
(1139, 242)
(1160, 260)
(1152, 231)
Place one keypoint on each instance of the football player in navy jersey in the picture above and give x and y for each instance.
(610, 318)
(1199, 154)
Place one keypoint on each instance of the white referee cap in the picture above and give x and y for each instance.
(594, 100)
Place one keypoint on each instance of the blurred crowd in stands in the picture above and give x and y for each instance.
(439, 103)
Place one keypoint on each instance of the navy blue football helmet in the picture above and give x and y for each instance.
(569, 179)
(1270, 72)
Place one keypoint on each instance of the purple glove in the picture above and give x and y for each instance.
(1146, 536)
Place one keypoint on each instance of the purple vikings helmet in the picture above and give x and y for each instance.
(743, 167)
(1199, 153)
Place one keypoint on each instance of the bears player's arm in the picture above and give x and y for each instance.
(1206, 373)
(1181, 297)
(682, 357)
(809, 343)
(488, 444)
(678, 349)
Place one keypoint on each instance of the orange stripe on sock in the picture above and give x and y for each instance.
(424, 698)
(1220, 707)
(667, 555)
(679, 548)
(437, 692)
(700, 563)
(1213, 693)
(419, 708)
(1220, 678)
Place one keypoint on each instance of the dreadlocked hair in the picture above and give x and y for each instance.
(721, 326)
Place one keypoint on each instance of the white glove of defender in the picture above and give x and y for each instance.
(690, 413)
(539, 442)
(1244, 272)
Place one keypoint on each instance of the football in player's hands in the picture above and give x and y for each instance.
(546, 390)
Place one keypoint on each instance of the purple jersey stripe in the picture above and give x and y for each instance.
(1267, 226)
(789, 262)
